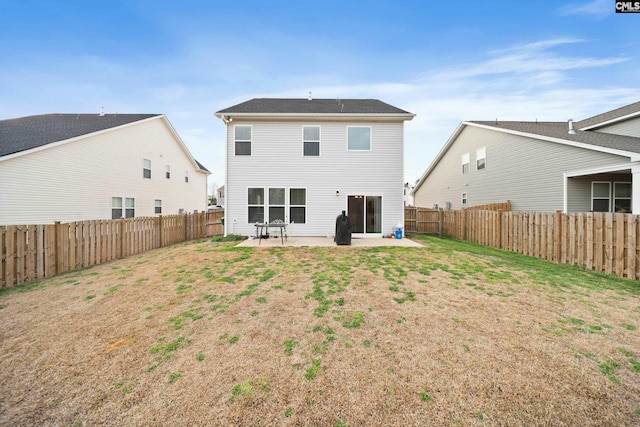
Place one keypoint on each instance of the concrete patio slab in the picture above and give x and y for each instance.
(328, 241)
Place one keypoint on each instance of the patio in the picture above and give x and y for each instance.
(299, 241)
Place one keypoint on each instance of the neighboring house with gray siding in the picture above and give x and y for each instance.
(589, 165)
(72, 167)
(304, 161)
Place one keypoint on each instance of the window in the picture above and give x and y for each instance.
(158, 206)
(311, 140)
(297, 205)
(465, 163)
(358, 138)
(129, 208)
(146, 168)
(186, 176)
(255, 202)
(276, 204)
(117, 207)
(600, 196)
(622, 197)
(242, 140)
(167, 173)
(481, 158)
(463, 199)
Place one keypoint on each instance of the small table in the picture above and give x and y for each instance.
(262, 227)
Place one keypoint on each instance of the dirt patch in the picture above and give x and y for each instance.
(203, 334)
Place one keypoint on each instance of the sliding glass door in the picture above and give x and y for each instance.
(365, 213)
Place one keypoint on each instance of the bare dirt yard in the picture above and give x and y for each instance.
(205, 333)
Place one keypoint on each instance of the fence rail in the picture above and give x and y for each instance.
(606, 242)
(33, 252)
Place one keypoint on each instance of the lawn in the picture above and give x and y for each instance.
(206, 333)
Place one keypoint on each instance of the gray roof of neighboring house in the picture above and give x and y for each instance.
(313, 106)
(560, 130)
(609, 115)
(29, 132)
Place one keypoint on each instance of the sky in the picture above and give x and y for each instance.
(446, 62)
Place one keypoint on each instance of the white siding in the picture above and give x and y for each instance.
(76, 180)
(526, 171)
(628, 127)
(277, 161)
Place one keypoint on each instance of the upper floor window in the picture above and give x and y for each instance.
(168, 172)
(242, 137)
(311, 140)
(481, 158)
(465, 163)
(359, 138)
(146, 168)
(186, 176)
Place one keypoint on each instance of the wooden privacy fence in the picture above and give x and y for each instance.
(598, 241)
(32, 252)
(422, 220)
(429, 221)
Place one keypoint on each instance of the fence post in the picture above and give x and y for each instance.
(161, 230)
(557, 226)
(58, 247)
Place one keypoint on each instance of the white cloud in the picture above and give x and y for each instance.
(597, 9)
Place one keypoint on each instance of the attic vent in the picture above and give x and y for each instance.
(571, 130)
(101, 111)
(309, 96)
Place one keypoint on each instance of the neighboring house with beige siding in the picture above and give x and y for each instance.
(71, 167)
(589, 165)
(304, 161)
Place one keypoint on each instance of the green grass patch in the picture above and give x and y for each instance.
(313, 370)
(353, 320)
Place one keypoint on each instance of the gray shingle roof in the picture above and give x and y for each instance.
(314, 106)
(560, 130)
(609, 115)
(29, 132)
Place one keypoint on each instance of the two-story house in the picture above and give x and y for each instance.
(73, 167)
(304, 161)
(587, 165)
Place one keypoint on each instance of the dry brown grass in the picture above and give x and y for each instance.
(205, 334)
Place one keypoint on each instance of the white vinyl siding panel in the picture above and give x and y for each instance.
(76, 181)
(628, 127)
(276, 163)
(526, 171)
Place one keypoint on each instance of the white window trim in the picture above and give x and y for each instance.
(319, 139)
(370, 138)
(290, 205)
(124, 206)
(592, 195)
(465, 159)
(481, 154)
(242, 140)
(157, 205)
(269, 205)
(614, 197)
(265, 194)
(145, 168)
(464, 199)
(167, 172)
(186, 177)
